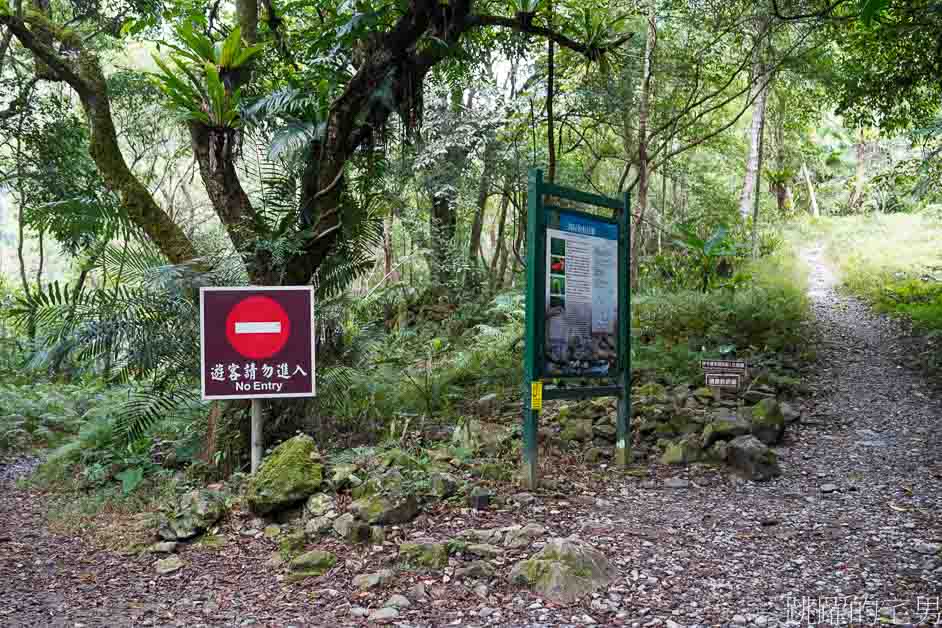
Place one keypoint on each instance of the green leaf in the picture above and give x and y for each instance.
(869, 9)
(131, 479)
(230, 48)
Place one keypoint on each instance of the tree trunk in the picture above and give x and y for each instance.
(755, 210)
(811, 194)
(484, 192)
(642, 203)
(388, 253)
(856, 197)
(750, 189)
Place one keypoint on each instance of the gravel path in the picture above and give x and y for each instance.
(849, 534)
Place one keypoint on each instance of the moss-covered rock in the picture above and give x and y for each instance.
(577, 430)
(724, 428)
(426, 554)
(443, 485)
(319, 504)
(190, 514)
(396, 458)
(311, 564)
(289, 475)
(767, 421)
(564, 571)
(292, 544)
(492, 471)
(383, 510)
(344, 476)
(684, 451)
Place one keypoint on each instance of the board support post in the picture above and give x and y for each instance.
(532, 348)
(623, 418)
(258, 441)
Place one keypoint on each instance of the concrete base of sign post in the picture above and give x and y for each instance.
(258, 441)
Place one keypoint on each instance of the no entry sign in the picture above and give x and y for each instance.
(257, 343)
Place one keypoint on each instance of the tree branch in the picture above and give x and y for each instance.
(592, 52)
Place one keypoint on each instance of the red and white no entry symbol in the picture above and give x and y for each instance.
(257, 327)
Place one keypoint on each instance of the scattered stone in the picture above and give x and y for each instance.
(444, 485)
(387, 613)
(319, 505)
(927, 548)
(828, 488)
(424, 553)
(753, 458)
(168, 565)
(359, 611)
(272, 531)
(164, 547)
(670, 623)
(318, 526)
(484, 550)
(523, 499)
(480, 498)
(345, 476)
(311, 564)
(373, 580)
(398, 601)
(418, 592)
(192, 513)
(564, 570)
(522, 537)
(342, 524)
(676, 483)
(475, 435)
(290, 474)
(475, 569)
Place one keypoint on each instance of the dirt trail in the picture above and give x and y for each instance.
(848, 534)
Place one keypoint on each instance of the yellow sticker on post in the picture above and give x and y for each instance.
(536, 395)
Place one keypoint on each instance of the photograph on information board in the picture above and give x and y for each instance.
(581, 296)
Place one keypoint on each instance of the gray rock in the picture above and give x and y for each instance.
(676, 483)
(387, 613)
(168, 565)
(359, 611)
(418, 592)
(828, 488)
(564, 571)
(524, 499)
(790, 413)
(342, 524)
(475, 569)
(165, 547)
(753, 458)
(373, 580)
(484, 550)
(927, 548)
(398, 601)
(318, 526)
(522, 537)
(479, 498)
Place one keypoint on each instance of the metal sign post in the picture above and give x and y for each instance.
(257, 343)
(578, 308)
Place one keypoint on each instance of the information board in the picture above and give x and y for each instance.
(581, 296)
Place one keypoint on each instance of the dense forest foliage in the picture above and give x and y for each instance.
(379, 151)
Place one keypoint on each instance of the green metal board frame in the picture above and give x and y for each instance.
(535, 328)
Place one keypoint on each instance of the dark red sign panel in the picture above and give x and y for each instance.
(257, 342)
